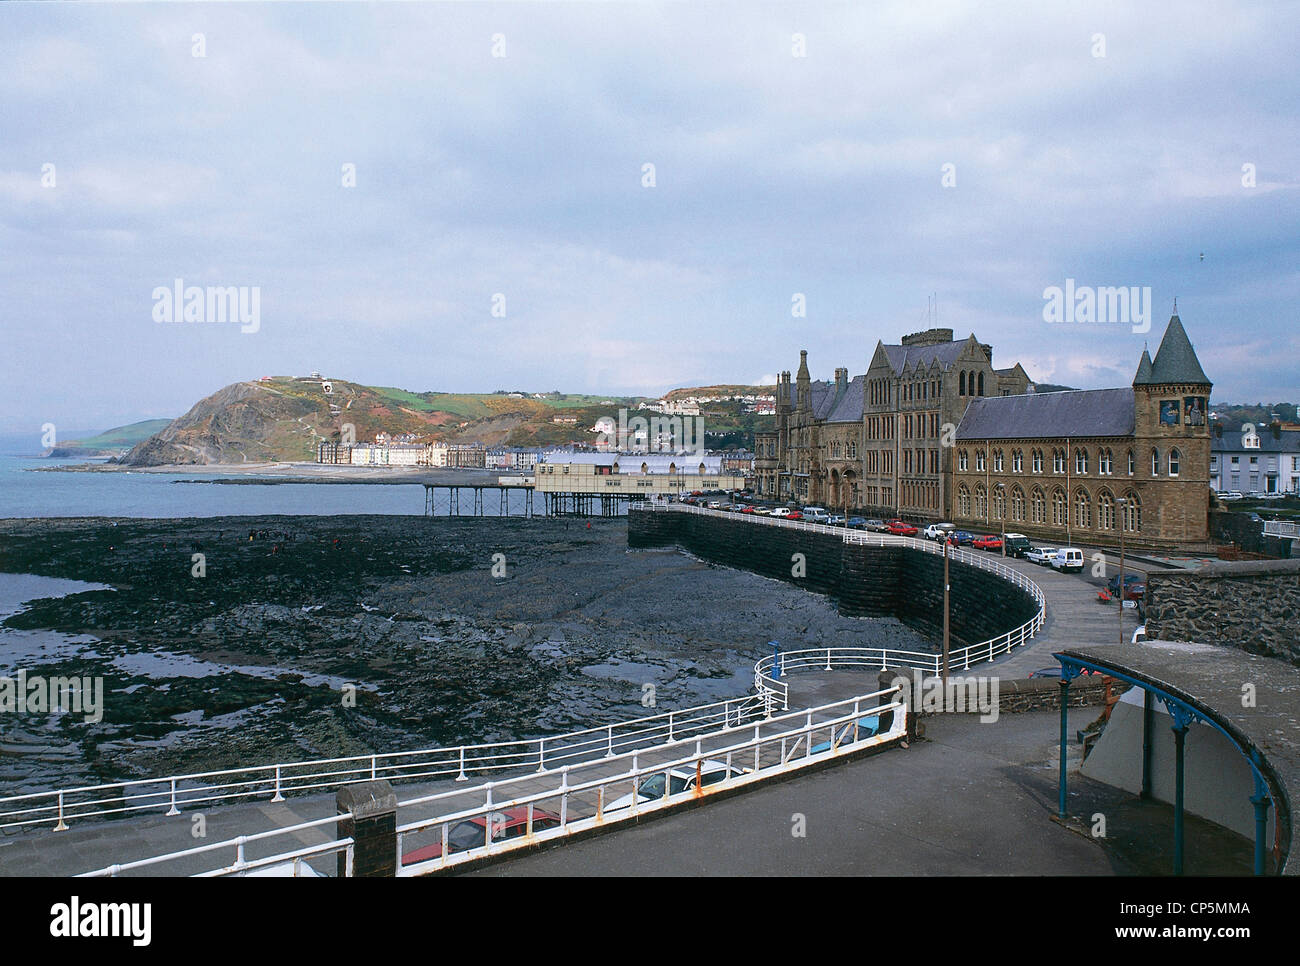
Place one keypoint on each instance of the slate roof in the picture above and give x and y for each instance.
(900, 356)
(848, 407)
(1050, 415)
(1231, 441)
(1175, 361)
(631, 462)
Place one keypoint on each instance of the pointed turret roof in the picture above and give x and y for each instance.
(1175, 360)
(1143, 376)
(802, 374)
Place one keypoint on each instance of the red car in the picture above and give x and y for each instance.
(472, 833)
(987, 542)
(749, 509)
(900, 529)
(795, 515)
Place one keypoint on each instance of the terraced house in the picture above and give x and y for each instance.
(1078, 466)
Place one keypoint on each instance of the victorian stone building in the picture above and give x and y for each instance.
(1079, 466)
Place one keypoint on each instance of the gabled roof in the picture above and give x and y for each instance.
(1050, 415)
(1175, 361)
(848, 405)
(902, 357)
(1230, 442)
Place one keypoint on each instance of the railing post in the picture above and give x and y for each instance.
(60, 827)
(541, 756)
(277, 797)
(372, 767)
(461, 777)
(564, 796)
(173, 810)
(670, 727)
(609, 747)
(808, 737)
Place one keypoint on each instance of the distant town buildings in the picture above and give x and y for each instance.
(1256, 459)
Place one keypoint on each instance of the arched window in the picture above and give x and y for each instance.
(1173, 462)
(1132, 513)
(997, 461)
(1017, 461)
(1058, 507)
(1017, 504)
(1132, 463)
(981, 392)
(1105, 511)
(981, 502)
(979, 460)
(1038, 461)
(1081, 462)
(961, 384)
(1155, 462)
(961, 460)
(1104, 462)
(1038, 506)
(1058, 461)
(1082, 509)
(999, 502)
(963, 501)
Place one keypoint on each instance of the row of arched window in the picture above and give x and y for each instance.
(1082, 461)
(1101, 513)
(970, 384)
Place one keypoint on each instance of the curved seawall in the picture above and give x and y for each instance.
(864, 581)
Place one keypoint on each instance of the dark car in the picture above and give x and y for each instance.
(857, 523)
(961, 538)
(1135, 586)
(472, 833)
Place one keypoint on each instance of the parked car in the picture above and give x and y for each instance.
(679, 780)
(1135, 586)
(762, 511)
(939, 531)
(1139, 634)
(1232, 495)
(816, 514)
(1068, 558)
(987, 542)
(472, 832)
(1041, 555)
(901, 529)
(879, 526)
(751, 509)
(1017, 544)
(781, 511)
(961, 538)
(794, 515)
(857, 523)
(836, 520)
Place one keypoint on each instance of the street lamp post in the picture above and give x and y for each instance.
(945, 616)
(1122, 504)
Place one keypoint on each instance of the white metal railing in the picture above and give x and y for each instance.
(273, 782)
(1280, 528)
(573, 798)
(830, 658)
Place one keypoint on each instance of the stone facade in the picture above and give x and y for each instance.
(1251, 605)
(1057, 466)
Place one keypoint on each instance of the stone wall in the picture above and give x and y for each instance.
(864, 581)
(1253, 605)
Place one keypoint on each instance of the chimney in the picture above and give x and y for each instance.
(841, 379)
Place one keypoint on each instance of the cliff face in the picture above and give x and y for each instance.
(244, 422)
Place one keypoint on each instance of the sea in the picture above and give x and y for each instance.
(24, 493)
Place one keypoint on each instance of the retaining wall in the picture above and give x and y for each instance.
(864, 581)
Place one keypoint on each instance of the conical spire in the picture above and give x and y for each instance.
(1175, 360)
(1143, 377)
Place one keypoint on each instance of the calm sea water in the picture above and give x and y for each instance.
(126, 494)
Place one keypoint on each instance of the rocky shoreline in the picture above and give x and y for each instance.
(251, 661)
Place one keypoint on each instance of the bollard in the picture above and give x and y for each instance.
(367, 814)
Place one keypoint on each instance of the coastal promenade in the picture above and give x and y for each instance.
(1071, 615)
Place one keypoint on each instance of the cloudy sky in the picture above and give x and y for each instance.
(1105, 144)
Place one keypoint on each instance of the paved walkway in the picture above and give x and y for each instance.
(1074, 619)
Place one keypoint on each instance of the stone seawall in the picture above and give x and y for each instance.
(864, 581)
(1253, 605)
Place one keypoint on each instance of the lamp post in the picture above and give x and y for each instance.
(1002, 515)
(1121, 503)
(945, 615)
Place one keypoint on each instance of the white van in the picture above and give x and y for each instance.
(816, 514)
(1068, 558)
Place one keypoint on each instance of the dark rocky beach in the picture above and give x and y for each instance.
(251, 662)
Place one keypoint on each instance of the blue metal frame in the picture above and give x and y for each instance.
(1183, 715)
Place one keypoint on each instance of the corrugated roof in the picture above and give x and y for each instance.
(1050, 415)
